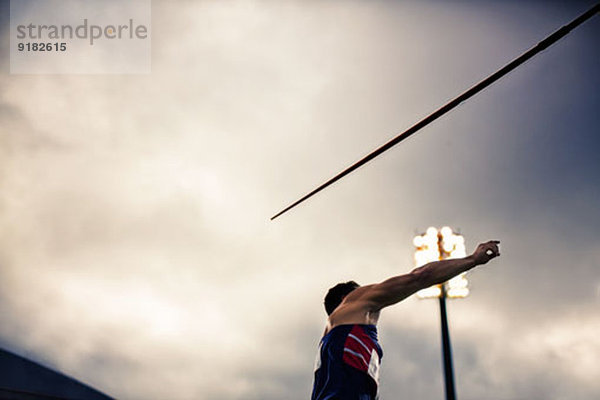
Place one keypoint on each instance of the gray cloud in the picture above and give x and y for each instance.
(136, 250)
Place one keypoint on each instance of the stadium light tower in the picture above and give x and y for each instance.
(435, 245)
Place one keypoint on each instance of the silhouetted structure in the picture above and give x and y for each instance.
(22, 379)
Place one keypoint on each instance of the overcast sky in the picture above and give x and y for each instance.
(136, 251)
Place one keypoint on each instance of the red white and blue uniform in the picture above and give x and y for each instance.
(347, 364)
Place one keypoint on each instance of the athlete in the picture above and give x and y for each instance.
(347, 365)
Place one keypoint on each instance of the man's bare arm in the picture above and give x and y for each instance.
(398, 288)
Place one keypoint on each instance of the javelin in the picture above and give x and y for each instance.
(544, 44)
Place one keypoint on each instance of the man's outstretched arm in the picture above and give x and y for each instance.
(398, 288)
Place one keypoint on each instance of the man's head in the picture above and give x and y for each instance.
(336, 294)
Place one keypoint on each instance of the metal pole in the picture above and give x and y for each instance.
(446, 349)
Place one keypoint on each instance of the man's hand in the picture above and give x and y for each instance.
(486, 251)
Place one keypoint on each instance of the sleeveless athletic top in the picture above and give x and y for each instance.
(347, 364)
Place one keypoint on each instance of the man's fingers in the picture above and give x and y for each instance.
(494, 244)
(490, 249)
(493, 252)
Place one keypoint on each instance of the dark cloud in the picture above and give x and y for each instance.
(137, 253)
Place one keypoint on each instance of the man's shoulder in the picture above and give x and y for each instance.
(359, 293)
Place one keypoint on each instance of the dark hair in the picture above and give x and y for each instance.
(336, 294)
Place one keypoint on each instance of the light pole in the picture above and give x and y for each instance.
(435, 245)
